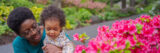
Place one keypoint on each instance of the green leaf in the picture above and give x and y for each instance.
(116, 51)
(139, 26)
(127, 44)
(127, 51)
(83, 1)
(139, 32)
(83, 51)
(134, 36)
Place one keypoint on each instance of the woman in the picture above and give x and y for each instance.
(29, 40)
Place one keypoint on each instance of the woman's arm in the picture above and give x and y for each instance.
(49, 48)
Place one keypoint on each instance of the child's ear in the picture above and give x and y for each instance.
(61, 29)
(41, 28)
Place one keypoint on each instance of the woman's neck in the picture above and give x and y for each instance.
(34, 43)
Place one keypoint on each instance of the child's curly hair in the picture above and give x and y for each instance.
(53, 12)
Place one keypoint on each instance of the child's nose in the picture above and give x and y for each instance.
(51, 31)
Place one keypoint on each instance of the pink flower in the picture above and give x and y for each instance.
(141, 35)
(147, 30)
(76, 37)
(79, 48)
(103, 29)
(132, 29)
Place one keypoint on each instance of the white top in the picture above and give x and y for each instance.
(61, 41)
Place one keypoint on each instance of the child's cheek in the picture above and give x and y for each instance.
(47, 32)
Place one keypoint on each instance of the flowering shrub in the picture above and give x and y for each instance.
(141, 35)
(81, 37)
(86, 4)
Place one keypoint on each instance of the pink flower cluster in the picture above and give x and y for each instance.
(81, 37)
(141, 35)
(88, 4)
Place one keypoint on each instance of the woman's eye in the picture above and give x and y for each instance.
(34, 26)
(26, 32)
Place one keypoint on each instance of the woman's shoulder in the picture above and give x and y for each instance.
(18, 41)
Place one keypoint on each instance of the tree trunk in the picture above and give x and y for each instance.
(57, 3)
(132, 3)
(123, 4)
(111, 3)
(145, 2)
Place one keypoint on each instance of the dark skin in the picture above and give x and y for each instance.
(53, 29)
(31, 31)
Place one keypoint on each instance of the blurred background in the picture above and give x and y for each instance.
(79, 13)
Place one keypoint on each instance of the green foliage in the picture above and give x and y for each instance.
(20, 3)
(155, 9)
(123, 14)
(76, 16)
(71, 21)
(116, 51)
(36, 11)
(151, 9)
(107, 1)
(127, 51)
(83, 15)
(4, 29)
(107, 16)
(4, 12)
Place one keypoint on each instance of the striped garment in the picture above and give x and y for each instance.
(61, 41)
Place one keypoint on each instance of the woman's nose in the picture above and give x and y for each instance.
(33, 31)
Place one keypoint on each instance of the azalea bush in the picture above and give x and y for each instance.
(86, 4)
(94, 7)
(141, 35)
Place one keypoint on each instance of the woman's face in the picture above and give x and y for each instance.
(30, 30)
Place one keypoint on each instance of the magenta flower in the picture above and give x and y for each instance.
(76, 37)
(79, 49)
(141, 35)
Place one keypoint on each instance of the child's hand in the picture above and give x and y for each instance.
(49, 48)
(59, 52)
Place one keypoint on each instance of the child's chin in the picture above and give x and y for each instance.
(52, 36)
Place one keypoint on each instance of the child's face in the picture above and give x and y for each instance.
(53, 28)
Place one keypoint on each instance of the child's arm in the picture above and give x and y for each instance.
(49, 48)
(68, 47)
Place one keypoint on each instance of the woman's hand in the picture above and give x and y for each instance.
(49, 48)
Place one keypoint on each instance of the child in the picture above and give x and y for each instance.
(53, 20)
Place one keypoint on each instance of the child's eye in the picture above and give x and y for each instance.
(55, 29)
(48, 29)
